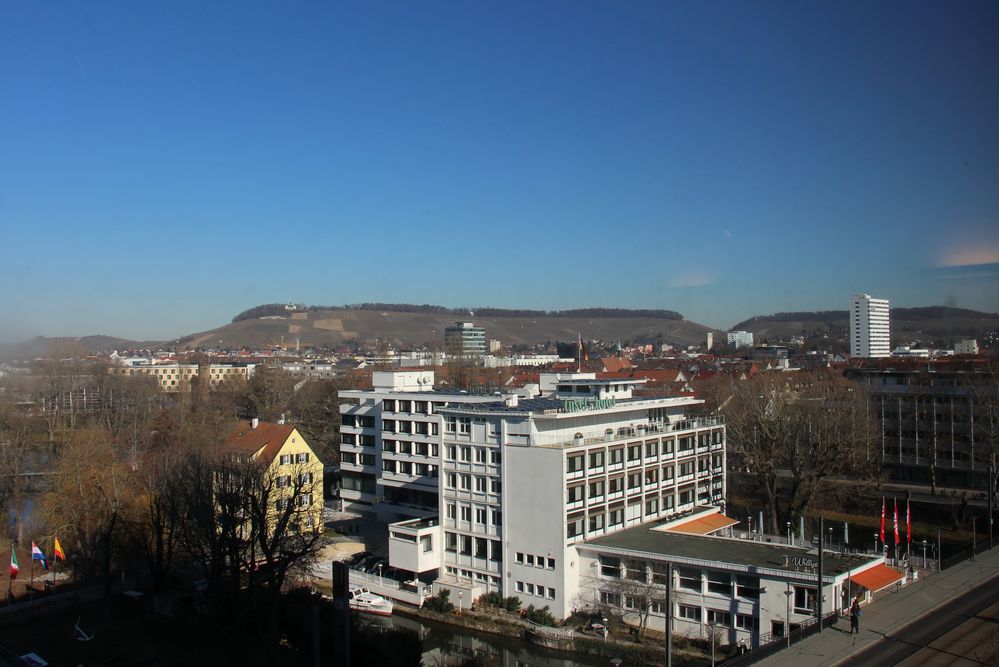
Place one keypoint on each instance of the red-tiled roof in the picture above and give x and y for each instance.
(267, 437)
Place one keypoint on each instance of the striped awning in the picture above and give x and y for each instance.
(704, 525)
(876, 578)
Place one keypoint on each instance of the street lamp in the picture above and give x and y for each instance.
(459, 602)
(749, 520)
(875, 542)
(787, 619)
(924, 554)
(830, 538)
(380, 574)
(789, 533)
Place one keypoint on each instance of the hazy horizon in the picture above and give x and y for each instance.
(164, 168)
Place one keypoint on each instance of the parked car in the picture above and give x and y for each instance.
(358, 558)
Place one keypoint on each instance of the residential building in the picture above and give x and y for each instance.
(289, 462)
(173, 378)
(464, 339)
(739, 339)
(869, 327)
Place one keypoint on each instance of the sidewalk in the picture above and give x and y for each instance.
(887, 615)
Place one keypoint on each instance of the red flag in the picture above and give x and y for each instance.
(882, 519)
(908, 522)
(897, 540)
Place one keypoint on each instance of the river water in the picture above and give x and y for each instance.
(450, 645)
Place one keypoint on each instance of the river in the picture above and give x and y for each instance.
(450, 645)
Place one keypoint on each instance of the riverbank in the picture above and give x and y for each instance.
(646, 652)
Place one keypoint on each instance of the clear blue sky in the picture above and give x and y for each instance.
(165, 165)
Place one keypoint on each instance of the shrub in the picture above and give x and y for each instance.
(511, 603)
(541, 616)
(440, 602)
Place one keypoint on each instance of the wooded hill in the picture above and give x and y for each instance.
(941, 323)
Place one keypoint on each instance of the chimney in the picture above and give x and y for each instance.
(254, 422)
(512, 400)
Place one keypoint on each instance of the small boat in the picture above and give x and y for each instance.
(361, 599)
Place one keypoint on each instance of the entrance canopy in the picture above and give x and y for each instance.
(876, 578)
(703, 525)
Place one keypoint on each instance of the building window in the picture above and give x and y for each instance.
(720, 582)
(690, 613)
(449, 452)
(495, 486)
(520, 586)
(612, 599)
(480, 515)
(610, 567)
(519, 557)
(530, 560)
(480, 484)
(575, 494)
(719, 617)
(804, 600)
(497, 518)
(286, 459)
(480, 455)
(466, 513)
(449, 508)
(427, 543)
(574, 463)
(466, 454)
(551, 594)
(551, 563)
(596, 522)
(748, 587)
(746, 622)
(494, 457)
(597, 459)
(302, 457)
(651, 507)
(574, 527)
(690, 580)
(616, 455)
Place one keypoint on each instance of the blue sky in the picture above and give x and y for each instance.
(165, 165)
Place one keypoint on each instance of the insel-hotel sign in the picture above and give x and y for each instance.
(583, 404)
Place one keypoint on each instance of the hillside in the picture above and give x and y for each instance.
(336, 325)
(907, 324)
(65, 346)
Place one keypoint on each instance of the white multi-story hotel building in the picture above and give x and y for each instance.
(524, 481)
(869, 327)
(390, 445)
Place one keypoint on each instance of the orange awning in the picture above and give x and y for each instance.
(704, 525)
(876, 578)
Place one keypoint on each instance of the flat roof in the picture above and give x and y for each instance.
(584, 381)
(744, 553)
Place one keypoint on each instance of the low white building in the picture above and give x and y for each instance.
(743, 590)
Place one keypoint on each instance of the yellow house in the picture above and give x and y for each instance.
(292, 466)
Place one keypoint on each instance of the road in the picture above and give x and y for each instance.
(964, 631)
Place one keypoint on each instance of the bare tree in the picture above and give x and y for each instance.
(807, 432)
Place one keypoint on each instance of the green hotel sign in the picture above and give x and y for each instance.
(583, 404)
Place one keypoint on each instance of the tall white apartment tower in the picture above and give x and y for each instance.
(869, 334)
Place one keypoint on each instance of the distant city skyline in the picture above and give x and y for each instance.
(164, 168)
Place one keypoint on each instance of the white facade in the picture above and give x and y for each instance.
(526, 481)
(389, 445)
(869, 327)
(966, 347)
(749, 591)
(740, 338)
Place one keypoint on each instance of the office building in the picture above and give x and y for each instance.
(869, 327)
(464, 339)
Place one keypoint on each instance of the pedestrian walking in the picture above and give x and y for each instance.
(855, 616)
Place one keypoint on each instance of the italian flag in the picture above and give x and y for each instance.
(14, 569)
